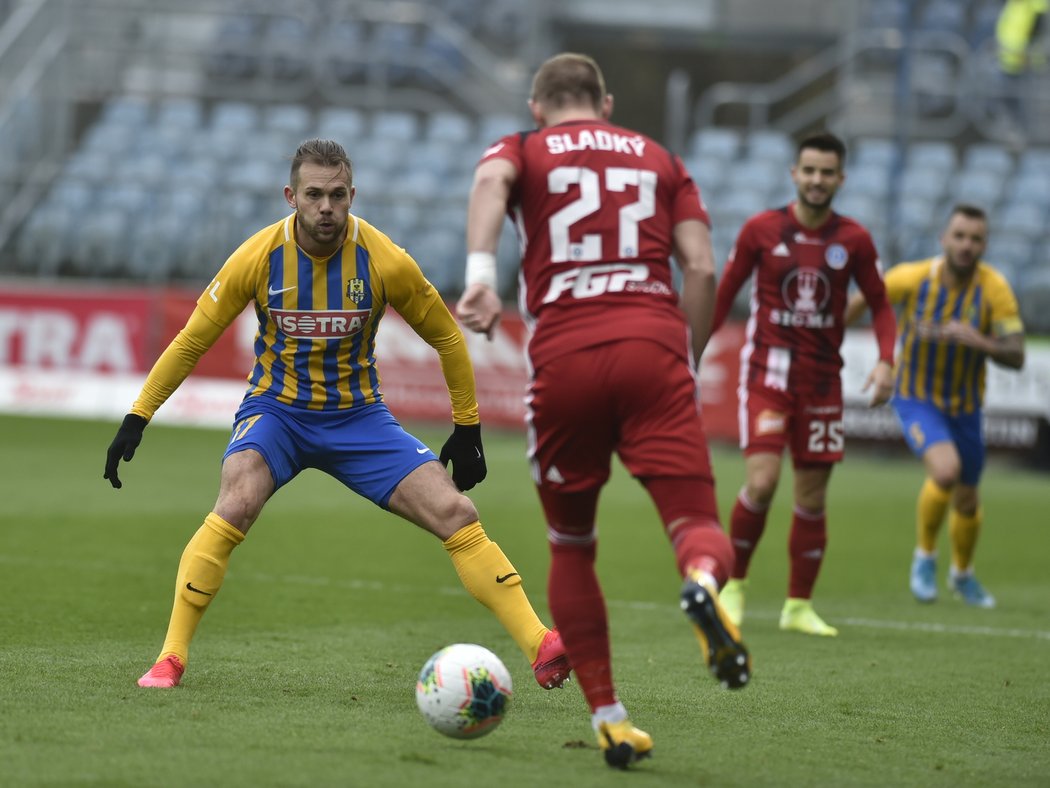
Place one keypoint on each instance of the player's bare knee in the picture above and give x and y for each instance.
(945, 475)
(760, 488)
(238, 510)
(457, 511)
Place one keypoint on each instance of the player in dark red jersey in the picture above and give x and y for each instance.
(599, 210)
(803, 257)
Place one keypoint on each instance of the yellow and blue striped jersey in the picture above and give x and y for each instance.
(318, 318)
(949, 375)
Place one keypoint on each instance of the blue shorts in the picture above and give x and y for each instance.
(365, 448)
(924, 424)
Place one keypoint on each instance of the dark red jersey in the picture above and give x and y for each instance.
(595, 206)
(799, 295)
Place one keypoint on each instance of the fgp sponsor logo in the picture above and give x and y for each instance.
(596, 280)
(806, 291)
(319, 323)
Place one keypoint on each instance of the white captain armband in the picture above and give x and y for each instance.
(481, 269)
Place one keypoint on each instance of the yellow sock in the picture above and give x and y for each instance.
(492, 580)
(200, 575)
(963, 530)
(933, 503)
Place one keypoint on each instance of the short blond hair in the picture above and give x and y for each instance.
(569, 79)
(326, 153)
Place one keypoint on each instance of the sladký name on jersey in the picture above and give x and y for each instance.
(585, 139)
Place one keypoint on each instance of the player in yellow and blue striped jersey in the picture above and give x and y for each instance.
(320, 281)
(958, 311)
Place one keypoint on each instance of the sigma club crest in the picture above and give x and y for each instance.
(355, 290)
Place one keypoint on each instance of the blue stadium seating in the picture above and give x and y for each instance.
(709, 172)
(870, 180)
(395, 125)
(449, 126)
(943, 15)
(989, 157)
(342, 124)
(493, 126)
(770, 145)
(874, 151)
(934, 154)
(714, 141)
(1021, 218)
(927, 182)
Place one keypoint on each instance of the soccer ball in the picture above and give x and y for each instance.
(463, 691)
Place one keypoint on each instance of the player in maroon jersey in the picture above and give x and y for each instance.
(803, 257)
(599, 210)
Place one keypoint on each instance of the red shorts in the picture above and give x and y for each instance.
(633, 397)
(811, 424)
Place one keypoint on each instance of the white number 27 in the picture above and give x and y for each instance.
(617, 179)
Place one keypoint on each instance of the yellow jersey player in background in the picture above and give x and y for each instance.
(957, 312)
(320, 281)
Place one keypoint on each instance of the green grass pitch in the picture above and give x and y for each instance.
(303, 670)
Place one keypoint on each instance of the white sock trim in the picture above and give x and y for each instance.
(614, 712)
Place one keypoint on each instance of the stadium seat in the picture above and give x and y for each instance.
(892, 14)
(1031, 185)
(758, 176)
(344, 52)
(184, 114)
(442, 61)
(342, 124)
(234, 52)
(947, 16)
(151, 170)
(436, 157)
(933, 154)
(989, 157)
(735, 206)
(872, 180)
(715, 141)
(770, 145)
(90, 166)
(417, 184)
(395, 125)
(128, 110)
(99, 250)
(287, 46)
(982, 188)
(449, 126)
(1021, 218)
(709, 172)
(293, 120)
(875, 151)
(917, 213)
(1035, 160)
(865, 209)
(239, 116)
(930, 183)
(984, 17)
(392, 46)
(1010, 251)
(1034, 300)
(498, 124)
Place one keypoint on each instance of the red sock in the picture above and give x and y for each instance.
(809, 537)
(689, 511)
(746, 525)
(578, 608)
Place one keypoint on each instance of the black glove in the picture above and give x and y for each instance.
(128, 438)
(463, 448)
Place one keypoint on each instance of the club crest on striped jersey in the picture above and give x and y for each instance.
(355, 290)
(319, 323)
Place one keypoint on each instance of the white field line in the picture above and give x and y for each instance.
(379, 586)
